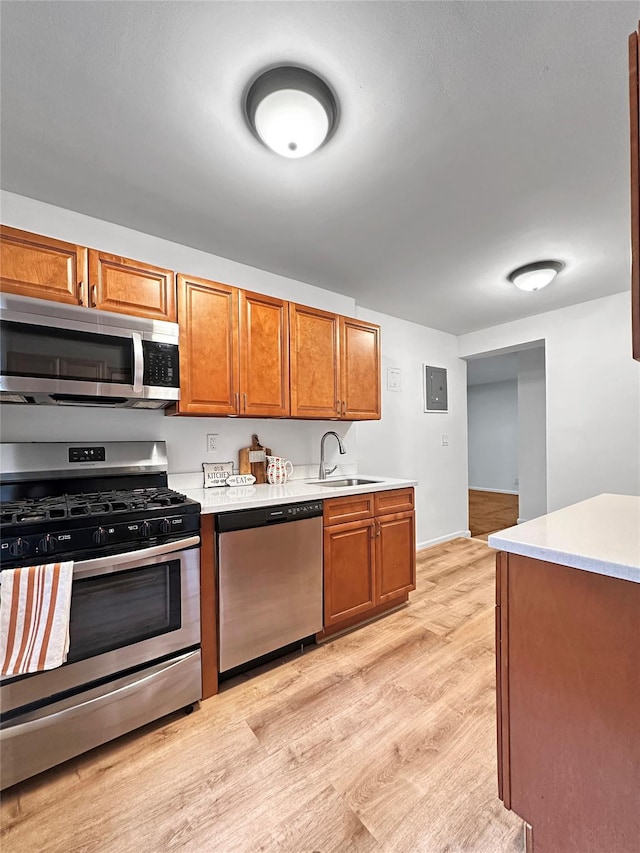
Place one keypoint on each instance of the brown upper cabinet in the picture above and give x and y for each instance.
(315, 363)
(249, 355)
(31, 265)
(130, 287)
(634, 103)
(209, 371)
(38, 266)
(234, 354)
(360, 370)
(264, 356)
(335, 366)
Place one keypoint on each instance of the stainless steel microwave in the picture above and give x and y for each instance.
(57, 354)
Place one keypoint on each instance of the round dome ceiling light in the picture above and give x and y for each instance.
(291, 110)
(535, 276)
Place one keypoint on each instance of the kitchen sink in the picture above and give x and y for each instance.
(342, 483)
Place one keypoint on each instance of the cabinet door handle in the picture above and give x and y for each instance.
(244, 402)
(80, 293)
(344, 406)
(379, 529)
(373, 530)
(94, 291)
(237, 399)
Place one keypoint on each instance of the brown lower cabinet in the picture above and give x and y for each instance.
(369, 556)
(568, 703)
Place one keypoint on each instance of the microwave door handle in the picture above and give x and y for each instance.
(138, 362)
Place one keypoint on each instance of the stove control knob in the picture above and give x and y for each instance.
(145, 529)
(165, 526)
(47, 545)
(100, 536)
(19, 548)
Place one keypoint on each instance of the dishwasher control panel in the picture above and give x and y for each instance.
(244, 519)
(294, 511)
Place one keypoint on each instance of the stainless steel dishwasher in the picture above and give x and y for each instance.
(269, 579)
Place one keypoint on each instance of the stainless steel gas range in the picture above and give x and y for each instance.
(134, 651)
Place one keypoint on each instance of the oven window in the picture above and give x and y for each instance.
(47, 353)
(112, 611)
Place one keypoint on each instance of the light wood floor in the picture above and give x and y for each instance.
(380, 740)
(491, 511)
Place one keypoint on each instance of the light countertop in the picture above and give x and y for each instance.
(227, 498)
(600, 535)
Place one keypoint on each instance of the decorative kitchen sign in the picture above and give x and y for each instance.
(216, 473)
(241, 480)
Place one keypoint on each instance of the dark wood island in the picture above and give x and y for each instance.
(568, 676)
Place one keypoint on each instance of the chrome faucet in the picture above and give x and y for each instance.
(324, 472)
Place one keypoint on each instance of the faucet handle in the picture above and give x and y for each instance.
(328, 471)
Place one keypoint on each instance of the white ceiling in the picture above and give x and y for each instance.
(474, 137)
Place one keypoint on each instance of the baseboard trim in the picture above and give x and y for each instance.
(497, 491)
(522, 520)
(464, 534)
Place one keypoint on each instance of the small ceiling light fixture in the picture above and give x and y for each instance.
(291, 110)
(535, 276)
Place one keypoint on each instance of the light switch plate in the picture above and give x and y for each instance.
(394, 379)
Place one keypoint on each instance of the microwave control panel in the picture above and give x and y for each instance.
(161, 366)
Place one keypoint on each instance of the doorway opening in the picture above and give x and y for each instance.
(506, 412)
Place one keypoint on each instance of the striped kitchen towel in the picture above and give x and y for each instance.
(35, 603)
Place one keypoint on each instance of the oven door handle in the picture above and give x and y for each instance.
(138, 362)
(132, 559)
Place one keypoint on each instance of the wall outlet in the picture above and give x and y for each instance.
(212, 442)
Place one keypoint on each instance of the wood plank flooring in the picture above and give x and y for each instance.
(491, 511)
(382, 739)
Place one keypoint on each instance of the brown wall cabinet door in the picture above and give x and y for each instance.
(315, 362)
(395, 556)
(634, 103)
(31, 265)
(264, 356)
(349, 579)
(130, 287)
(208, 314)
(360, 375)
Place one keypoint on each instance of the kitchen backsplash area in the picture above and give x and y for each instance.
(187, 438)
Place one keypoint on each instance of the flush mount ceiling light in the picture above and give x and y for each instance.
(291, 110)
(535, 276)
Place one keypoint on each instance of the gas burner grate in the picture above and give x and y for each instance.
(88, 504)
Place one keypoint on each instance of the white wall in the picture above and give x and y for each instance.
(492, 417)
(407, 442)
(593, 395)
(532, 434)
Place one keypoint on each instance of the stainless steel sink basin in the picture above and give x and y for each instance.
(342, 483)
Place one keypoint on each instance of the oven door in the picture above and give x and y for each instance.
(127, 611)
